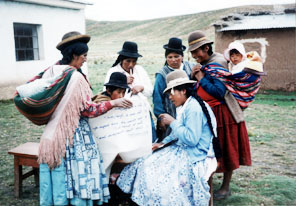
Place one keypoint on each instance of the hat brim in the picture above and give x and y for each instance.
(129, 54)
(77, 38)
(199, 44)
(166, 46)
(117, 85)
(178, 84)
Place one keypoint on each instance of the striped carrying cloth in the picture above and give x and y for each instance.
(39, 107)
(242, 85)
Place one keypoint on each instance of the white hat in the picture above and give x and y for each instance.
(235, 45)
(177, 78)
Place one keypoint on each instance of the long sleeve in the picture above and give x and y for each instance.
(158, 96)
(142, 78)
(94, 110)
(213, 86)
(190, 132)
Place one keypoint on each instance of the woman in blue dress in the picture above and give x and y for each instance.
(174, 57)
(177, 171)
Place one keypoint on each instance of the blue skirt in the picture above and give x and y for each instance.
(166, 177)
(80, 179)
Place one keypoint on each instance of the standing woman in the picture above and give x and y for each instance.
(174, 61)
(233, 136)
(137, 77)
(71, 167)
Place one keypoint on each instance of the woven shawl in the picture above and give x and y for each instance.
(64, 120)
(39, 107)
(242, 85)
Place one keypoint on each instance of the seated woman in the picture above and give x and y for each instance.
(137, 78)
(176, 173)
(115, 88)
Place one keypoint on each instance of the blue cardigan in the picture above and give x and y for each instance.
(192, 130)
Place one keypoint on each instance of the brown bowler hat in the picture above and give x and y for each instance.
(71, 37)
(196, 39)
(177, 78)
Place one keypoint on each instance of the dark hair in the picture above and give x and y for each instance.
(168, 51)
(233, 51)
(210, 51)
(190, 91)
(120, 58)
(77, 48)
(111, 89)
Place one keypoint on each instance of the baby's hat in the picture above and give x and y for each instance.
(235, 45)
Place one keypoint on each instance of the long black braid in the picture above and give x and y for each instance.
(191, 92)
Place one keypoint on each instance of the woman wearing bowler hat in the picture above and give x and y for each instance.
(71, 166)
(137, 77)
(174, 60)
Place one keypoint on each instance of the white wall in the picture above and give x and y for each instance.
(55, 22)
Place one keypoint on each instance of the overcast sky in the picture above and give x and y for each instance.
(116, 10)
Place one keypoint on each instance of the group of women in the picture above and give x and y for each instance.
(194, 128)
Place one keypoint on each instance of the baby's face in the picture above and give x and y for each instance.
(236, 58)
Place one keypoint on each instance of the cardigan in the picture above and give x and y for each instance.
(192, 130)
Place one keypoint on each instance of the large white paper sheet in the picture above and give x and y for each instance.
(126, 132)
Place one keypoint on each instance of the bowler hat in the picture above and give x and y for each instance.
(175, 44)
(130, 49)
(196, 39)
(71, 37)
(177, 78)
(117, 79)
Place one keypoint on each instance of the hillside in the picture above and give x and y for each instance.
(107, 37)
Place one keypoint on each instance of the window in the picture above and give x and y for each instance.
(26, 42)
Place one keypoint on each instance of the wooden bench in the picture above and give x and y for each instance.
(25, 155)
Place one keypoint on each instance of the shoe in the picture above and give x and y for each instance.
(218, 196)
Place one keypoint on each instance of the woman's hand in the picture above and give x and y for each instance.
(195, 69)
(166, 119)
(136, 89)
(130, 79)
(121, 102)
(156, 146)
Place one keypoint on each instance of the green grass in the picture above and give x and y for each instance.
(270, 119)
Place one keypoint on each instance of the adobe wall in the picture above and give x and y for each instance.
(277, 48)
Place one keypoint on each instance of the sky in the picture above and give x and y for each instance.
(119, 10)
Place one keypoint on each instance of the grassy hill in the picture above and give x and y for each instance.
(152, 34)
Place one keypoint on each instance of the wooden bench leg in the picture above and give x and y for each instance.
(210, 181)
(17, 177)
(36, 176)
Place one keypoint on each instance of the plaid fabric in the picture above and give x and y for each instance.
(39, 108)
(242, 85)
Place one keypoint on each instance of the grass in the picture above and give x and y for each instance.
(271, 119)
(271, 124)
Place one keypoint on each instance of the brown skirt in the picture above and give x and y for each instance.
(234, 140)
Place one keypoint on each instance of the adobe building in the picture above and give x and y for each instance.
(272, 35)
(30, 31)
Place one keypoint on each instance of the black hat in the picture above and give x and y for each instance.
(117, 79)
(130, 49)
(175, 44)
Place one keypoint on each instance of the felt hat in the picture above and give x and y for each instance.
(71, 37)
(196, 39)
(130, 49)
(177, 78)
(175, 44)
(235, 45)
(117, 79)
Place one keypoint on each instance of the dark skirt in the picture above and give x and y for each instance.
(234, 140)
